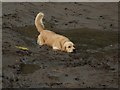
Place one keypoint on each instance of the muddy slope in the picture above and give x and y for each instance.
(102, 16)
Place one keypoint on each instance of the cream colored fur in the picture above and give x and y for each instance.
(56, 41)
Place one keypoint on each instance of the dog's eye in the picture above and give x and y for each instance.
(69, 46)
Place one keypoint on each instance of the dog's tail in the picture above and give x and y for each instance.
(38, 22)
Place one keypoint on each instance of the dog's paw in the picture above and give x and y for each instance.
(55, 48)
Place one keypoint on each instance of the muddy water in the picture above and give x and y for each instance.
(28, 68)
(42, 67)
(84, 38)
(87, 41)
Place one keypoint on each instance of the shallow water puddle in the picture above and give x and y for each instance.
(28, 68)
(83, 38)
(93, 39)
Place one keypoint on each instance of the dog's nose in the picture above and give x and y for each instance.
(74, 50)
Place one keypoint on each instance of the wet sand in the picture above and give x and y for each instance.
(95, 63)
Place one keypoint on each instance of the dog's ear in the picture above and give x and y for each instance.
(64, 47)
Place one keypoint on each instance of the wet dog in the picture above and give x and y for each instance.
(56, 41)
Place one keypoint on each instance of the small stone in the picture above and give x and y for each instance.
(66, 8)
(66, 75)
(77, 79)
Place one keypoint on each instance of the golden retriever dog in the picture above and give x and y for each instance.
(46, 37)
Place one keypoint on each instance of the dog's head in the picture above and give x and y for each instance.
(69, 46)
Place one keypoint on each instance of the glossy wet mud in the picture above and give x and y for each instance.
(88, 42)
(40, 66)
(83, 37)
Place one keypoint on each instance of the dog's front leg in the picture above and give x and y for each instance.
(55, 48)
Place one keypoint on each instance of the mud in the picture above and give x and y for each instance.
(93, 65)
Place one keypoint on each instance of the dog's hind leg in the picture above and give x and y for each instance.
(40, 40)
